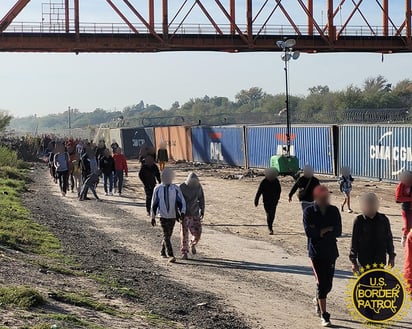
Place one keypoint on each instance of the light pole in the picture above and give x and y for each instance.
(70, 118)
(287, 55)
(285, 163)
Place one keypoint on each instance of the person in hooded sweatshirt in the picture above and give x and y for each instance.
(149, 173)
(270, 189)
(107, 167)
(169, 204)
(195, 210)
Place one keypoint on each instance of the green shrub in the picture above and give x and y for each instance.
(23, 297)
(8, 158)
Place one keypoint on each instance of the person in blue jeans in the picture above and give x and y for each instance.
(107, 167)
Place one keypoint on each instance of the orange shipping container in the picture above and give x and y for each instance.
(178, 140)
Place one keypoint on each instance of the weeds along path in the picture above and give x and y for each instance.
(95, 235)
(265, 285)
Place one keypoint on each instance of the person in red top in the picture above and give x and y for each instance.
(408, 262)
(121, 169)
(403, 195)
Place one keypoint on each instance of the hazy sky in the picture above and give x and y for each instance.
(48, 83)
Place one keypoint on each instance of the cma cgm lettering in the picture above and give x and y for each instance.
(395, 153)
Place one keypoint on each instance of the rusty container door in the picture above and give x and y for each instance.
(178, 140)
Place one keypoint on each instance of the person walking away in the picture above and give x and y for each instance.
(121, 170)
(90, 183)
(101, 148)
(270, 189)
(107, 167)
(145, 150)
(71, 150)
(61, 163)
(403, 195)
(195, 210)
(323, 224)
(52, 168)
(408, 262)
(162, 156)
(305, 184)
(149, 174)
(169, 204)
(345, 185)
(372, 240)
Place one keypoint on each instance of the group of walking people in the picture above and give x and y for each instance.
(372, 239)
(77, 166)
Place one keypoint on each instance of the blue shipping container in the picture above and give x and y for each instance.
(219, 145)
(376, 152)
(312, 145)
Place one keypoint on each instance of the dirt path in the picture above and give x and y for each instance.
(266, 280)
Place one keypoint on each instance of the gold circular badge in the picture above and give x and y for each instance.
(377, 296)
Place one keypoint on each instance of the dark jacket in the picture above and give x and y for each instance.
(314, 221)
(372, 240)
(271, 193)
(149, 174)
(107, 166)
(162, 155)
(305, 188)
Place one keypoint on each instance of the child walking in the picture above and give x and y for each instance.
(195, 209)
(121, 170)
(107, 166)
(345, 183)
(270, 189)
(162, 156)
(149, 173)
(169, 204)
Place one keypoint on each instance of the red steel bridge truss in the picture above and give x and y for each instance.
(209, 25)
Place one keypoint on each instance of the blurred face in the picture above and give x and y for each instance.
(308, 172)
(149, 160)
(323, 200)
(369, 205)
(107, 153)
(406, 178)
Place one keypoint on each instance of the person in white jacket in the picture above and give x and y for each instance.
(169, 204)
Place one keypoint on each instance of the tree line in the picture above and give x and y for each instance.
(376, 100)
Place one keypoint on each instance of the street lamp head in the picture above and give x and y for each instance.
(296, 55)
(286, 57)
(290, 43)
(280, 44)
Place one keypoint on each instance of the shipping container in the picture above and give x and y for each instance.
(224, 145)
(312, 145)
(132, 139)
(376, 152)
(178, 140)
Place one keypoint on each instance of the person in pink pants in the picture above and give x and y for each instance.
(195, 209)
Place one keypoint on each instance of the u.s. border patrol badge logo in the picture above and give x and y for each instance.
(377, 296)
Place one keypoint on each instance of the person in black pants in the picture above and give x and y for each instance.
(372, 239)
(305, 185)
(323, 224)
(270, 189)
(149, 174)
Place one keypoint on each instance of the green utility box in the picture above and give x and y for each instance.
(285, 165)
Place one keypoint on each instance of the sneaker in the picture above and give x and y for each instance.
(184, 257)
(271, 232)
(99, 200)
(111, 193)
(106, 194)
(403, 241)
(316, 304)
(172, 259)
(193, 249)
(350, 211)
(163, 254)
(325, 318)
